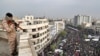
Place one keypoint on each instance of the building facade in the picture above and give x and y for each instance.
(82, 19)
(56, 26)
(60, 25)
(96, 26)
(38, 29)
(52, 29)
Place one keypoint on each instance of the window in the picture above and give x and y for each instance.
(35, 48)
(34, 36)
(28, 23)
(37, 22)
(45, 27)
(37, 34)
(24, 30)
(47, 39)
(41, 28)
(47, 35)
(38, 40)
(47, 30)
(38, 28)
(34, 43)
(41, 40)
(40, 34)
(33, 30)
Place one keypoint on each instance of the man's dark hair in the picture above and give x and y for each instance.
(9, 14)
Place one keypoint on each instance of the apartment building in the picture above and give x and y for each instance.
(82, 19)
(60, 25)
(38, 30)
(56, 26)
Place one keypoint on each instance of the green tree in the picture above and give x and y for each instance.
(63, 33)
(53, 47)
(79, 27)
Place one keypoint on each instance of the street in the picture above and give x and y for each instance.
(73, 46)
(76, 46)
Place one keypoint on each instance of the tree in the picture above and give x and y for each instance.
(79, 27)
(63, 33)
(53, 47)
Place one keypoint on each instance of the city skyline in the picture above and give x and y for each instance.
(50, 8)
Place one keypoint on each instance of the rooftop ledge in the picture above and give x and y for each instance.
(24, 47)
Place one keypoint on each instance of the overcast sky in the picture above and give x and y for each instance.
(50, 8)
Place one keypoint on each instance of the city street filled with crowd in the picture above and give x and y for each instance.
(74, 44)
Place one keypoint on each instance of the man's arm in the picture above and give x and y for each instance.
(17, 25)
(20, 27)
(6, 27)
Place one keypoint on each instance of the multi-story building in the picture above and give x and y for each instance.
(38, 30)
(82, 19)
(96, 26)
(52, 29)
(57, 26)
(60, 25)
(68, 21)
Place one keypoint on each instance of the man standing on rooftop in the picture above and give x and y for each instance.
(11, 32)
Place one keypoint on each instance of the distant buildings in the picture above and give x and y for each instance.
(57, 25)
(52, 29)
(60, 25)
(68, 21)
(96, 26)
(82, 20)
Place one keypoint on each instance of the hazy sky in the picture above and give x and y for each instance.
(50, 8)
